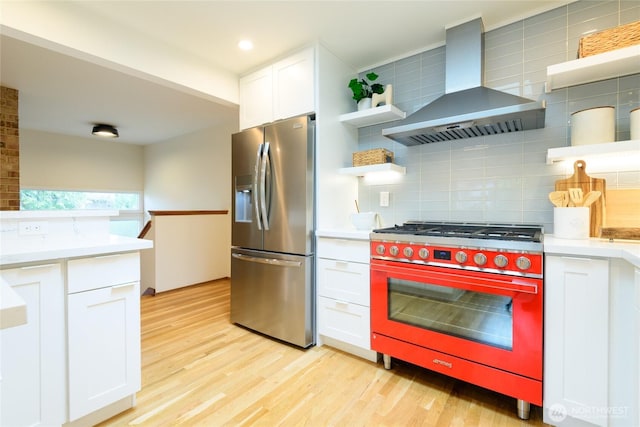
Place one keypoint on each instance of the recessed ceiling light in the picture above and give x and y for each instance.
(245, 44)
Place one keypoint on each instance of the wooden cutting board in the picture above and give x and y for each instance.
(581, 180)
(623, 214)
(623, 208)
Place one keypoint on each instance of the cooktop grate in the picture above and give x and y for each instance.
(510, 232)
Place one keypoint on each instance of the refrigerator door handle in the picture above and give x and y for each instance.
(256, 199)
(268, 261)
(263, 186)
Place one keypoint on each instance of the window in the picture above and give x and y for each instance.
(129, 204)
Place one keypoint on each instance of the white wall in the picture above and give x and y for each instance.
(58, 161)
(335, 143)
(190, 249)
(192, 172)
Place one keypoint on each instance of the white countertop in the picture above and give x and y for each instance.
(351, 234)
(34, 250)
(627, 250)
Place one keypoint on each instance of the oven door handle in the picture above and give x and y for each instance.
(460, 279)
(514, 285)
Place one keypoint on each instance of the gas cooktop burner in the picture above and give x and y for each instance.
(459, 233)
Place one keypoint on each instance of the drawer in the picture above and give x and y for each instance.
(101, 271)
(344, 249)
(346, 281)
(349, 323)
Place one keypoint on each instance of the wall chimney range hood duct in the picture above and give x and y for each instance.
(467, 109)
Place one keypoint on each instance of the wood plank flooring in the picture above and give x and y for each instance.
(198, 369)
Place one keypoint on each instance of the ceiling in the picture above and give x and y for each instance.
(63, 94)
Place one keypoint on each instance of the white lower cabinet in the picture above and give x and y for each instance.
(103, 316)
(592, 349)
(343, 295)
(576, 319)
(344, 321)
(32, 363)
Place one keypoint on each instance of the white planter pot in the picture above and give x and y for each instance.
(364, 104)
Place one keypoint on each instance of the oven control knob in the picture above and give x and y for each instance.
(501, 261)
(461, 257)
(423, 253)
(380, 249)
(408, 252)
(480, 259)
(523, 263)
(393, 250)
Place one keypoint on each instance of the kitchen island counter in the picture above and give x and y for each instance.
(626, 250)
(37, 250)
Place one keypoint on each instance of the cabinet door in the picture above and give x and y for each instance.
(576, 313)
(344, 249)
(293, 85)
(104, 347)
(32, 362)
(256, 98)
(345, 281)
(349, 323)
(85, 274)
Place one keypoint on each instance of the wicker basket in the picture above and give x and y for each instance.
(611, 39)
(372, 157)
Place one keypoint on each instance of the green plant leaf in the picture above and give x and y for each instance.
(377, 88)
(372, 76)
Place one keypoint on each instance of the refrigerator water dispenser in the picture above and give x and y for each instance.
(243, 194)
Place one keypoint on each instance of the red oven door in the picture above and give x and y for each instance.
(490, 319)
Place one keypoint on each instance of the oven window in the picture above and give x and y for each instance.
(476, 316)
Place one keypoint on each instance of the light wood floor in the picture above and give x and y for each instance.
(198, 369)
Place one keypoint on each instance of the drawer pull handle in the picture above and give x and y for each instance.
(125, 285)
(342, 306)
(33, 267)
(108, 256)
(345, 271)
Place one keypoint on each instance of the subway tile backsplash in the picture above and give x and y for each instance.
(502, 178)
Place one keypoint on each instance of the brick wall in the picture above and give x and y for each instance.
(9, 150)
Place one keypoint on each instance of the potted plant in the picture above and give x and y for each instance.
(363, 90)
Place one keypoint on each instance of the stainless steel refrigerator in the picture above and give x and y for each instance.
(272, 259)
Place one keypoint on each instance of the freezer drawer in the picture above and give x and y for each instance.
(273, 294)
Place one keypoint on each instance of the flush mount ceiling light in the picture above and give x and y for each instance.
(106, 131)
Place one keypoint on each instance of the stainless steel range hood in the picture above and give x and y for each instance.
(467, 109)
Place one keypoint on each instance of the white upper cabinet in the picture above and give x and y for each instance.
(282, 90)
(293, 85)
(256, 98)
